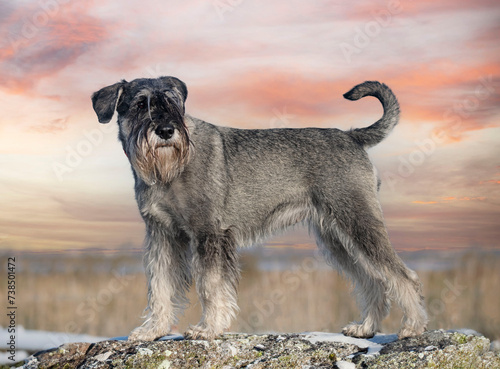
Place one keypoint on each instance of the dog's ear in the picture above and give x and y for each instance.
(104, 101)
(179, 85)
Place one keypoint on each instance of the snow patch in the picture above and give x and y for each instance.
(374, 345)
(466, 331)
(345, 365)
(19, 356)
(33, 341)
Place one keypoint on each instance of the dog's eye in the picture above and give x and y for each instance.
(141, 105)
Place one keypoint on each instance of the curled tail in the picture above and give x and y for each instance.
(372, 135)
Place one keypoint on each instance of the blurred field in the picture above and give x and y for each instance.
(280, 291)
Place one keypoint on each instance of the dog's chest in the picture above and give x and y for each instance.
(162, 206)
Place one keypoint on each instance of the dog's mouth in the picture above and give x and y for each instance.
(164, 145)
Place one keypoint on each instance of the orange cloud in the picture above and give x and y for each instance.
(491, 181)
(482, 198)
(54, 126)
(369, 9)
(449, 199)
(263, 91)
(442, 74)
(456, 99)
(427, 93)
(42, 41)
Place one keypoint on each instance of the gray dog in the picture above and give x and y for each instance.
(204, 190)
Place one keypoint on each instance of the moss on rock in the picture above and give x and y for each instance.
(435, 349)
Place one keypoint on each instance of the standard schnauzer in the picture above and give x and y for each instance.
(204, 190)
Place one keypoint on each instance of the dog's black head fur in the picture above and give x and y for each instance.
(151, 121)
(121, 95)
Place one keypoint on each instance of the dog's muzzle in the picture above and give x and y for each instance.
(165, 131)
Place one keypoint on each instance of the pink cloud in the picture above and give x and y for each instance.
(368, 9)
(261, 92)
(41, 42)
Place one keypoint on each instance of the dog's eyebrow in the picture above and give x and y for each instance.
(146, 93)
(143, 92)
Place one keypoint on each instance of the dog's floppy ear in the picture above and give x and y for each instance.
(104, 101)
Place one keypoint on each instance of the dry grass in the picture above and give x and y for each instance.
(105, 296)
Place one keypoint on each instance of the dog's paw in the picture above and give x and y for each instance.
(144, 334)
(358, 331)
(406, 332)
(198, 332)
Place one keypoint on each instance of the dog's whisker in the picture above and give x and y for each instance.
(149, 107)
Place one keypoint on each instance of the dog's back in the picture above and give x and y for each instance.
(267, 179)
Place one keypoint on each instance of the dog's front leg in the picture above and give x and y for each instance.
(167, 262)
(216, 272)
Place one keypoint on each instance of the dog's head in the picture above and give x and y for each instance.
(151, 124)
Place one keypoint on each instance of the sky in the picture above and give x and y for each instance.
(65, 183)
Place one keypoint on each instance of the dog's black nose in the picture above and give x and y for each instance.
(165, 131)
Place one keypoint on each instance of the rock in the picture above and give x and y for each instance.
(434, 349)
(495, 346)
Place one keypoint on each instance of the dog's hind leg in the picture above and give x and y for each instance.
(216, 272)
(360, 245)
(370, 287)
(167, 262)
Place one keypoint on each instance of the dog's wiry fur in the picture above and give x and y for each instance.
(204, 190)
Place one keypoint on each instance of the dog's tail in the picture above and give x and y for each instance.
(372, 135)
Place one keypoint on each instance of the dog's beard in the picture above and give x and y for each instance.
(155, 160)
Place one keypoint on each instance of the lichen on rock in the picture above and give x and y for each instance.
(433, 349)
